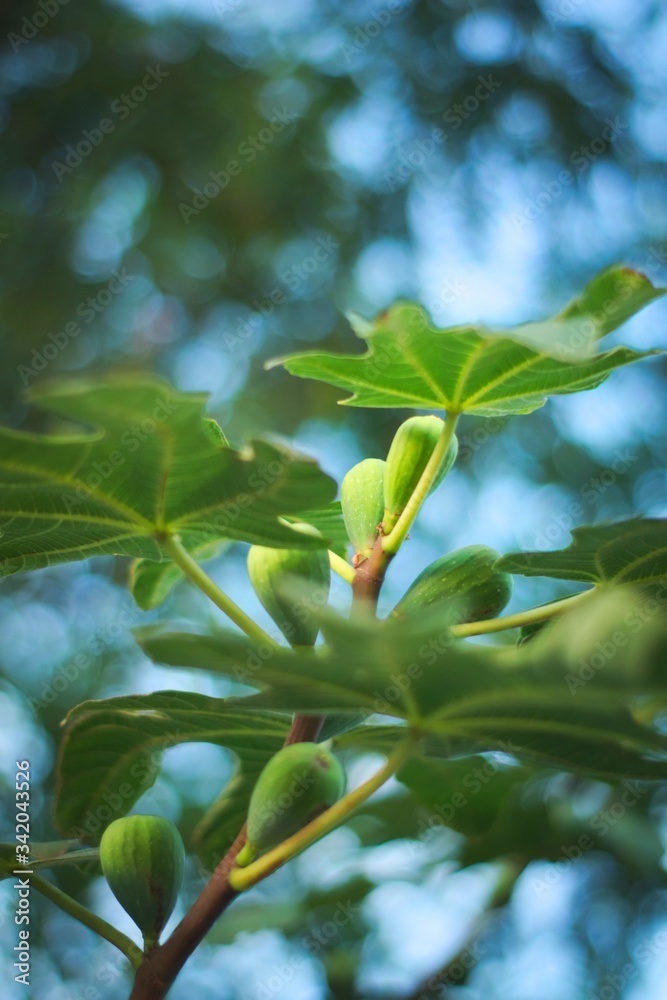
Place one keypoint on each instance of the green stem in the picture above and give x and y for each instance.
(530, 617)
(193, 571)
(341, 567)
(392, 542)
(85, 916)
(244, 878)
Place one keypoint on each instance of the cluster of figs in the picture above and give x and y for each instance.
(142, 856)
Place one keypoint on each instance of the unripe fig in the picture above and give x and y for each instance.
(362, 500)
(275, 573)
(142, 860)
(408, 456)
(297, 784)
(464, 580)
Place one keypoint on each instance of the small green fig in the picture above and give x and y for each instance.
(274, 575)
(297, 784)
(142, 859)
(465, 581)
(362, 500)
(408, 456)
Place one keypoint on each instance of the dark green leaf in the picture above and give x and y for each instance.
(526, 701)
(111, 751)
(152, 466)
(630, 551)
(465, 794)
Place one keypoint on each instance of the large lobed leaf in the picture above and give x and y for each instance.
(153, 465)
(529, 701)
(475, 369)
(577, 698)
(152, 582)
(632, 551)
(111, 752)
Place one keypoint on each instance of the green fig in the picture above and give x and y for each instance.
(465, 581)
(362, 500)
(297, 784)
(275, 573)
(408, 456)
(142, 859)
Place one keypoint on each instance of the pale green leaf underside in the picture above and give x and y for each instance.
(474, 369)
(110, 754)
(632, 551)
(151, 582)
(153, 464)
(44, 855)
(329, 522)
(475, 698)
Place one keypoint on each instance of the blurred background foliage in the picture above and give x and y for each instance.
(484, 158)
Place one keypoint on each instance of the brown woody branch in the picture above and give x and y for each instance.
(162, 965)
(160, 968)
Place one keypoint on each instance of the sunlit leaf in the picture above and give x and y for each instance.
(476, 369)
